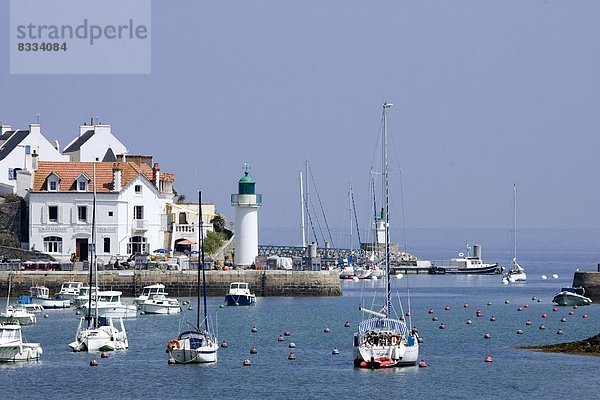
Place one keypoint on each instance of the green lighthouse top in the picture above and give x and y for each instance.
(246, 184)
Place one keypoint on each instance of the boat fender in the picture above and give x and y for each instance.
(174, 343)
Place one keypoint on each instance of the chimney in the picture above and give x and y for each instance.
(116, 178)
(34, 128)
(5, 128)
(156, 175)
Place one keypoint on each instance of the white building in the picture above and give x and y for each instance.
(95, 142)
(131, 208)
(18, 148)
(246, 203)
(184, 230)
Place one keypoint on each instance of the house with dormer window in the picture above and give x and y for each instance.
(130, 212)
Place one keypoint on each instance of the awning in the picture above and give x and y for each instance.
(186, 241)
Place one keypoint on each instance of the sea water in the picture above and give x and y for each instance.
(455, 356)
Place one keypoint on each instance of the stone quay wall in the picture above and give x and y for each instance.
(184, 283)
(590, 281)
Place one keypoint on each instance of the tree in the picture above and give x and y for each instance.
(213, 241)
(218, 222)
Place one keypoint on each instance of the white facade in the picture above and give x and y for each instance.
(17, 150)
(129, 219)
(93, 143)
(184, 225)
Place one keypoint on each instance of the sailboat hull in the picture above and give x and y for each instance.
(193, 348)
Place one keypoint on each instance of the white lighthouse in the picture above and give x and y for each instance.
(246, 203)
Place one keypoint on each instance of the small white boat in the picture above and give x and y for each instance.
(469, 264)
(197, 345)
(84, 296)
(160, 304)
(41, 295)
(12, 347)
(239, 295)
(110, 305)
(70, 290)
(572, 297)
(18, 314)
(99, 334)
(516, 273)
(148, 292)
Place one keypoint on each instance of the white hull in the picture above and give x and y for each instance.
(514, 277)
(201, 355)
(400, 356)
(20, 352)
(52, 303)
(18, 317)
(115, 311)
(104, 338)
(149, 308)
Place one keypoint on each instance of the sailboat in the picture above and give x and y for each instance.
(196, 345)
(97, 333)
(16, 314)
(384, 340)
(516, 273)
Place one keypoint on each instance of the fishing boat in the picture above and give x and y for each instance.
(84, 296)
(40, 294)
(13, 348)
(97, 333)
(383, 340)
(239, 295)
(148, 292)
(197, 345)
(160, 304)
(70, 290)
(467, 264)
(16, 314)
(571, 296)
(516, 273)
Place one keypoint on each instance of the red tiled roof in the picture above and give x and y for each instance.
(70, 171)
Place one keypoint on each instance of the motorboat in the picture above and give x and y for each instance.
(198, 345)
(572, 296)
(41, 295)
(18, 314)
(383, 339)
(160, 304)
(239, 295)
(70, 289)
(108, 304)
(84, 296)
(148, 292)
(13, 348)
(467, 264)
(99, 334)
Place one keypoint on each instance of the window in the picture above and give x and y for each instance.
(53, 186)
(137, 244)
(107, 245)
(82, 213)
(138, 212)
(82, 186)
(53, 244)
(53, 213)
(110, 213)
(182, 218)
(138, 189)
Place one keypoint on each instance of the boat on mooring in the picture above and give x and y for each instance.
(70, 289)
(516, 273)
(572, 296)
(13, 348)
(40, 294)
(239, 295)
(469, 264)
(198, 345)
(16, 314)
(384, 339)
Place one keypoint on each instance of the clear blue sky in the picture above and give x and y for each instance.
(486, 93)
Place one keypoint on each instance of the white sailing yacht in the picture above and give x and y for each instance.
(384, 340)
(516, 273)
(16, 314)
(196, 345)
(97, 333)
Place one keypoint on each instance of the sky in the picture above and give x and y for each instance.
(485, 93)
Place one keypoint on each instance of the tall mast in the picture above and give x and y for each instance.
(307, 201)
(386, 106)
(515, 226)
(94, 266)
(201, 266)
(302, 211)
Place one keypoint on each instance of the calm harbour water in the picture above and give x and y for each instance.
(455, 356)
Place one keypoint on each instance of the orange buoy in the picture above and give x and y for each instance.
(492, 318)
(442, 326)
(520, 308)
(104, 355)
(407, 313)
(575, 307)
(584, 316)
(488, 359)
(253, 350)
(430, 311)
(93, 363)
(447, 308)
(422, 364)
(554, 309)
(434, 318)
(544, 315)
(526, 306)
(571, 312)
(466, 305)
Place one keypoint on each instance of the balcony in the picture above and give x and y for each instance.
(139, 225)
